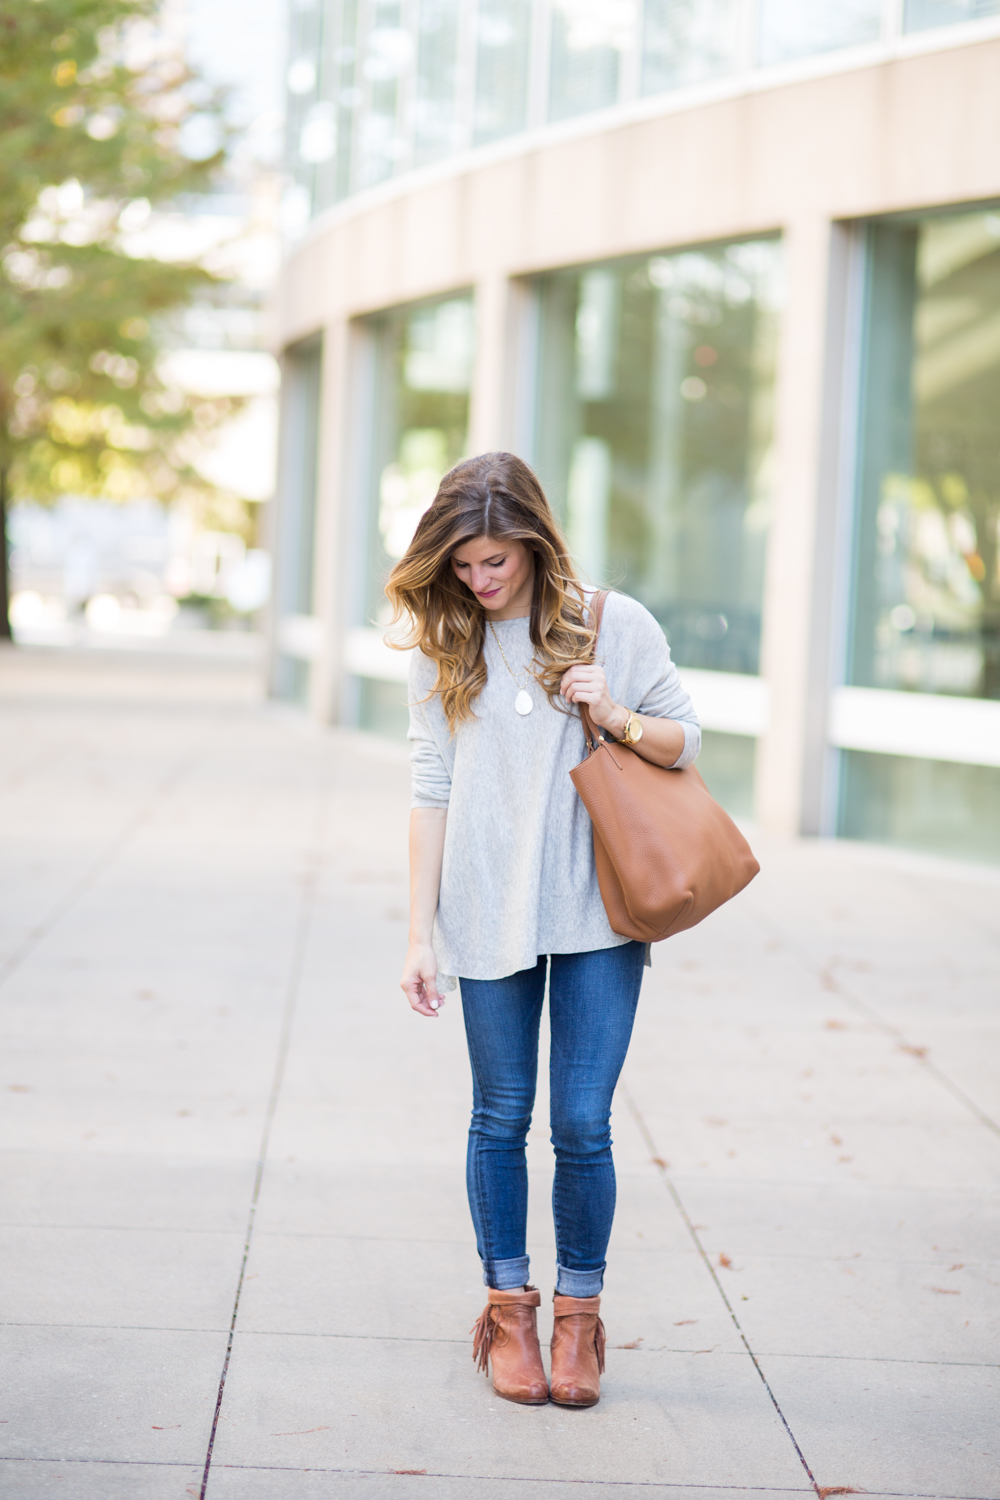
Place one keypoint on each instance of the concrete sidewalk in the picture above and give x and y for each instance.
(233, 1214)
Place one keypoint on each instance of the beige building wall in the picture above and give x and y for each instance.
(801, 158)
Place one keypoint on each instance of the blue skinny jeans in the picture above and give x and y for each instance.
(592, 1004)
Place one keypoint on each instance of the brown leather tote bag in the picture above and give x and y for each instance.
(666, 853)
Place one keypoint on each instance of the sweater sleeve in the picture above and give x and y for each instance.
(655, 683)
(429, 759)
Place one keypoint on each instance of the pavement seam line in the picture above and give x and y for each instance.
(639, 1484)
(835, 986)
(164, 788)
(310, 885)
(397, 1338)
(657, 1159)
(742, 1489)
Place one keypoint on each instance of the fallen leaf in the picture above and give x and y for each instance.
(683, 1322)
(659, 1162)
(913, 1051)
(837, 1489)
(836, 1025)
(407, 1471)
(166, 1429)
(634, 1344)
(945, 1291)
(725, 1261)
(957, 1267)
(835, 1140)
(19, 1088)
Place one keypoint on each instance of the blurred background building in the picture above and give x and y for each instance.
(110, 573)
(727, 273)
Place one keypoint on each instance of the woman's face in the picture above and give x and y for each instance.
(500, 574)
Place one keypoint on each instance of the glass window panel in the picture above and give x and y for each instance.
(727, 763)
(790, 28)
(383, 708)
(686, 41)
(588, 38)
(302, 96)
(435, 108)
(503, 41)
(388, 57)
(939, 806)
(423, 378)
(345, 77)
(326, 96)
(654, 436)
(921, 14)
(927, 564)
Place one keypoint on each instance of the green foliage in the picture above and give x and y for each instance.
(95, 109)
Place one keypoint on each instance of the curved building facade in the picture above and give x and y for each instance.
(728, 275)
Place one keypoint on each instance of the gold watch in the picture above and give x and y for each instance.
(632, 733)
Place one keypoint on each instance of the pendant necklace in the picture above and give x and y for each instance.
(522, 703)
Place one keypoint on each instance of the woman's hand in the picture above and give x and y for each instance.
(419, 981)
(586, 683)
(662, 740)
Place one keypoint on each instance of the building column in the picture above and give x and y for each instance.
(489, 406)
(330, 538)
(801, 558)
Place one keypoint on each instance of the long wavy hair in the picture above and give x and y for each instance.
(495, 495)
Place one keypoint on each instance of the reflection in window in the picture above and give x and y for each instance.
(655, 433)
(686, 41)
(921, 14)
(343, 71)
(503, 40)
(303, 100)
(388, 56)
(927, 591)
(588, 38)
(940, 806)
(790, 29)
(436, 126)
(422, 413)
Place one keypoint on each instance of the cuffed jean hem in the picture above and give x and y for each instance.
(577, 1283)
(506, 1275)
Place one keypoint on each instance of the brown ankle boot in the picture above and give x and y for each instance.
(507, 1333)
(577, 1351)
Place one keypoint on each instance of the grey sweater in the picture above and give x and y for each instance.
(518, 878)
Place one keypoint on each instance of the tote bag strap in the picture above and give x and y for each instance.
(597, 612)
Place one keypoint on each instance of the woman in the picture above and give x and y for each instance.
(503, 883)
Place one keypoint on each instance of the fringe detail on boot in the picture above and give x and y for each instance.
(599, 1342)
(483, 1330)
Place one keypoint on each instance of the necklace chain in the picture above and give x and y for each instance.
(522, 703)
(504, 654)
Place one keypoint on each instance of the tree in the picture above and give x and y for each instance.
(100, 120)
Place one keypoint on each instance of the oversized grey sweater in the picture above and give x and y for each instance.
(518, 877)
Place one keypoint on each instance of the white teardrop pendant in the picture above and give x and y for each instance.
(523, 702)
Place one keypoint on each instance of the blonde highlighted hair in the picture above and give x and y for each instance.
(495, 495)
